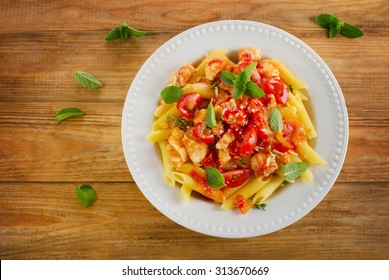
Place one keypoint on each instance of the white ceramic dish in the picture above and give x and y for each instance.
(287, 206)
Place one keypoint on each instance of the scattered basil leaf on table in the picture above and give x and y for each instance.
(276, 120)
(336, 27)
(87, 80)
(67, 113)
(214, 177)
(86, 194)
(123, 31)
(292, 170)
(171, 94)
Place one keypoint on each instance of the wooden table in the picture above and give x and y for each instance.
(42, 43)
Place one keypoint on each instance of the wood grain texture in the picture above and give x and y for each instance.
(42, 43)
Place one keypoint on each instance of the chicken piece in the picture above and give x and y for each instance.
(200, 116)
(249, 54)
(225, 160)
(225, 141)
(196, 150)
(175, 140)
(184, 74)
(268, 70)
(263, 164)
(215, 66)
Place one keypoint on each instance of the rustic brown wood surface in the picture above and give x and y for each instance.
(42, 43)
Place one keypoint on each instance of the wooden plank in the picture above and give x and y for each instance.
(46, 221)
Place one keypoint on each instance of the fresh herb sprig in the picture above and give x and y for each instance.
(276, 120)
(179, 121)
(171, 94)
(242, 84)
(260, 206)
(214, 178)
(336, 27)
(123, 31)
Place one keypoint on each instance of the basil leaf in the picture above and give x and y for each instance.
(210, 119)
(86, 194)
(123, 31)
(292, 170)
(276, 120)
(87, 80)
(249, 69)
(227, 77)
(240, 85)
(253, 91)
(67, 113)
(324, 20)
(171, 94)
(350, 31)
(214, 177)
(291, 88)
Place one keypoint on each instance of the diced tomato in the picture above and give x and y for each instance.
(202, 133)
(235, 178)
(235, 117)
(293, 133)
(242, 204)
(211, 159)
(250, 139)
(278, 88)
(188, 104)
(254, 106)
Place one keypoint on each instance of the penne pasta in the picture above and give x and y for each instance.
(287, 75)
(309, 154)
(264, 193)
(161, 122)
(186, 192)
(203, 89)
(167, 169)
(159, 135)
(162, 109)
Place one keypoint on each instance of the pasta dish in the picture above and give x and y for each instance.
(234, 130)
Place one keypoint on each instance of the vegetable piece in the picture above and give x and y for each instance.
(335, 26)
(202, 133)
(188, 104)
(260, 206)
(67, 113)
(276, 120)
(235, 178)
(87, 80)
(214, 178)
(86, 194)
(278, 88)
(210, 116)
(250, 139)
(292, 170)
(171, 94)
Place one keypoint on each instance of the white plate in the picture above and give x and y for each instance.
(293, 201)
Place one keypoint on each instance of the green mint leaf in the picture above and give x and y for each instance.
(253, 91)
(350, 31)
(171, 94)
(214, 177)
(292, 170)
(123, 31)
(67, 113)
(86, 194)
(87, 80)
(210, 118)
(291, 88)
(276, 120)
(260, 206)
(240, 85)
(227, 78)
(324, 20)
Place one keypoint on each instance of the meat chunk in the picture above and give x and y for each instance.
(196, 150)
(179, 155)
(263, 164)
